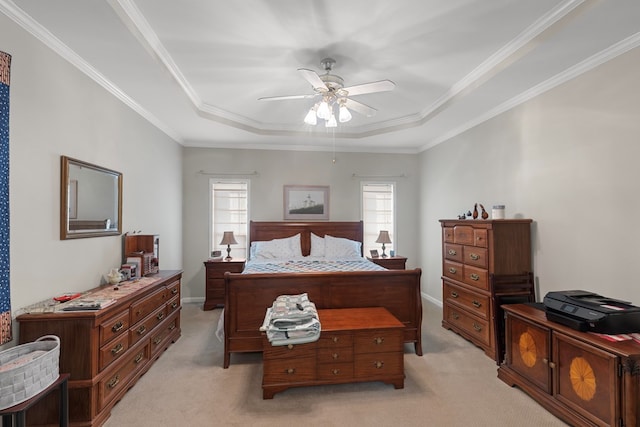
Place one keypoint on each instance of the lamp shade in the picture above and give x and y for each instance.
(228, 239)
(383, 237)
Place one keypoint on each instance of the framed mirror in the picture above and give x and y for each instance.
(90, 200)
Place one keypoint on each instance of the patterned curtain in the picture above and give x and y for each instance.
(5, 296)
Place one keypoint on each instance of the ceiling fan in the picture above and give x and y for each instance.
(330, 88)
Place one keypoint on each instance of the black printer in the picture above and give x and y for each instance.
(586, 311)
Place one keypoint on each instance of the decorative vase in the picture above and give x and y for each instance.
(114, 277)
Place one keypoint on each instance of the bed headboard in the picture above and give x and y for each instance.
(267, 230)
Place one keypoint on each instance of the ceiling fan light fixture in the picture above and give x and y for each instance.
(323, 110)
(344, 115)
(311, 117)
(331, 123)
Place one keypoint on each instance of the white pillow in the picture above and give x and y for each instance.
(287, 248)
(341, 248)
(317, 246)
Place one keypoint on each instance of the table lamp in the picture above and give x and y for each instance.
(383, 238)
(228, 239)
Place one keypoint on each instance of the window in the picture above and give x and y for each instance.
(378, 213)
(229, 212)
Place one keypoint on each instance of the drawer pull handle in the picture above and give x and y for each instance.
(174, 291)
(141, 330)
(552, 365)
(474, 257)
(114, 381)
(335, 339)
(335, 356)
(454, 294)
(546, 362)
(290, 371)
(160, 316)
(117, 327)
(174, 305)
(290, 346)
(138, 358)
(172, 326)
(157, 340)
(336, 372)
(453, 270)
(378, 340)
(452, 252)
(477, 327)
(455, 316)
(378, 364)
(475, 277)
(117, 349)
(476, 304)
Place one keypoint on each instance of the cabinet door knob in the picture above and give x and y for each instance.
(378, 340)
(336, 372)
(335, 339)
(335, 356)
(378, 364)
(290, 371)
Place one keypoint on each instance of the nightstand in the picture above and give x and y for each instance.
(214, 283)
(390, 262)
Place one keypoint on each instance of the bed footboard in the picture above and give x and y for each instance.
(248, 296)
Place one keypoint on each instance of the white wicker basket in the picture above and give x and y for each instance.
(27, 369)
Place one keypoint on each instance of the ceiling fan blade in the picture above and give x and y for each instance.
(313, 78)
(280, 98)
(381, 86)
(361, 108)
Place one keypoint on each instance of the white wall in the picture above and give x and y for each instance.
(568, 159)
(278, 168)
(56, 110)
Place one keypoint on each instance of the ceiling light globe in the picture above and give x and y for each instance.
(343, 114)
(323, 111)
(331, 123)
(311, 118)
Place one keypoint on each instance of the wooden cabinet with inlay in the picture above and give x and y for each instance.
(107, 350)
(581, 378)
(485, 263)
(355, 345)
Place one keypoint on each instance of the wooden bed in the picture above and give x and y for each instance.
(247, 296)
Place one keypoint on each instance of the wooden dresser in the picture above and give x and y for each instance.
(214, 282)
(485, 263)
(355, 345)
(581, 378)
(107, 350)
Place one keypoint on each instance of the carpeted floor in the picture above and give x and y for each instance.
(453, 384)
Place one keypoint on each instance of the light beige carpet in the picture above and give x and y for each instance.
(453, 384)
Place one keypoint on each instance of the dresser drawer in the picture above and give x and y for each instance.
(335, 355)
(473, 326)
(480, 238)
(453, 270)
(173, 304)
(335, 339)
(115, 326)
(142, 308)
(475, 256)
(160, 337)
(471, 301)
(463, 234)
(378, 341)
(143, 328)
(287, 351)
(476, 277)
(112, 351)
(335, 371)
(117, 380)
(453, 252)
(447, 234)
(372, 365)
(173, 289)
(289, 370)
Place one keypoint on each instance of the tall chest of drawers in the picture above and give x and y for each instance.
(107, 350)
(485, 263)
